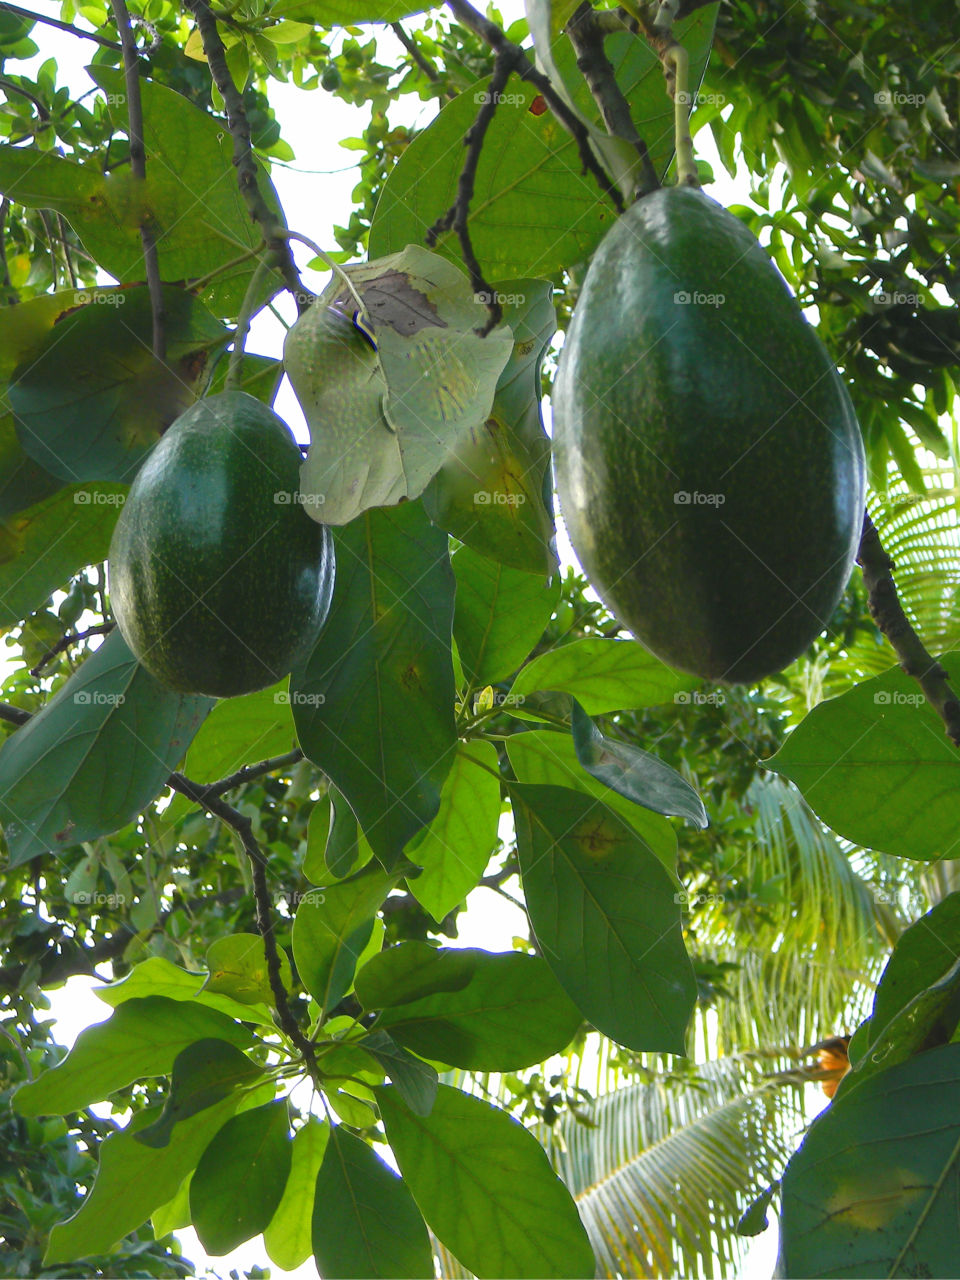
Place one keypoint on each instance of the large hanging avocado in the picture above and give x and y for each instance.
(708, 459)
(219, 580)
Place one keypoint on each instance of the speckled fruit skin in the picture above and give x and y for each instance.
(708, 459)
(217, 586)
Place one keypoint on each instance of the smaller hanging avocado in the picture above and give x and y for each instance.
(708, 459)
(219, 580)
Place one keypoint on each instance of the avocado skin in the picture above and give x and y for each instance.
(656, 398)
(216, 587)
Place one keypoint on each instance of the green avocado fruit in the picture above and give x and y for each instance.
(708, 459)
(219, 580)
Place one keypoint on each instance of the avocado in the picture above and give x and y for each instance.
(708, 459)
(219, 580)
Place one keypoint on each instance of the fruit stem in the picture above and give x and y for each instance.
(248, 310)
(334, 266)
(687, 175)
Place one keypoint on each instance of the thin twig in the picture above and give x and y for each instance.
(415, 52)
(249, 772)
(586, 36)
(138, 165)
(67, 255)
(5, 280)
(12, 87)
(65, 642)
(887, 612)
(62, 26)
(243, 157)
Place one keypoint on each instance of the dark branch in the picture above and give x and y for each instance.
(586, 36)
(887, 612)
(243, 157)
(14, 715)
(411, 46)
(246, 774)
(61, 26)
(138, 165)
(65, 642)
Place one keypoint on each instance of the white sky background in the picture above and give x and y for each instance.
(315, 191)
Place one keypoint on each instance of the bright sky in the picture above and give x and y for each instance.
(315, 191)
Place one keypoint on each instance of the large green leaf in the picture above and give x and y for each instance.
(550, 758)
(500, 615)
(634, 773)
(373, 703)
(96, 754)
(411, 970)
(495, 492)
(603, 675)
(238, 968)
(190, 195)
(288, 1239)
(240, 1179)
(142, 1038)
(241, 731)
(23, 484)
(331, 930)
(923, 953)
(607, 917)
(204, 1073)
(42, 547)
(156, 976)
(366, 1225)
(456, 847)
(92, 400)
(877, 767)
(486, 1188)
(383, 420)
(132, 1180)
(417, 1081)
(873, 1189)
(511, 1014)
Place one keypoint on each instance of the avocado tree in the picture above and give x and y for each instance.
(272, 720)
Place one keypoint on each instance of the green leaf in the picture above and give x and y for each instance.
(373, 704)
(382, 421)
(158, 977)
(142, 1038)
(331, 930)
(486, 1188)
(92, 400)
(411, 970)
(876, 766)
(345, 850)
(241, 731)
(191, 196)
(241, 1178)
(366, 1225)
(603, 675)
(500, 615)
(549, 758)
(59, 778)
(132, 1180)
(607, 917)
(874, 1187)
(43, 547)
(923, 954)
(288, 1238)
(494, 492)
(203, 1074)
(344, 13)
(512, 1014)
(417, 1081)
(633, 773)
(238, 968)
(22, 483)
(456, 847)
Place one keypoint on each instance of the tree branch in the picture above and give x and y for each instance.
(246, 774)
(14, 715)
(64, 643)
(243, 157)
(138, 165)
(61, 26)
(586, 36)
(411, 46)
(887, 612)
